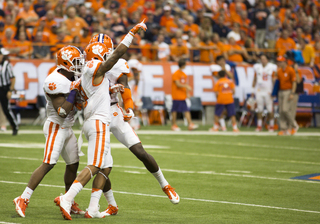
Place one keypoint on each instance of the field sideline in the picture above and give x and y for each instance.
(221, 177)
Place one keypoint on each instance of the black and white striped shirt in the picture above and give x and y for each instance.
(6, 73)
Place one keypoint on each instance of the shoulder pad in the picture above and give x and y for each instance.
(56, 83)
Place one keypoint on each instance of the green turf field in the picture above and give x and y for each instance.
(220, 179)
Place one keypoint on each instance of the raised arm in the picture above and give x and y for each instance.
(120, 50)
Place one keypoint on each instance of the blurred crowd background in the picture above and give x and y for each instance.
(198, 30)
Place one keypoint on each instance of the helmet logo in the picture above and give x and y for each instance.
(97, 49)
(66, 55)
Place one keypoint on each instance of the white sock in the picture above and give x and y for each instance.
(27, 193)
(94, 200)
(110, 198)
(160, 178)
(75, 188)
(271, 123)
(222, 122)
(259, 123)
(216, 126)
(234, 126)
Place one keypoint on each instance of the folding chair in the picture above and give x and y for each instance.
(41, 105)
(196, 105)
(147, 105)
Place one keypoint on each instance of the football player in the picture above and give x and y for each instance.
(263, 84)
(122, 130)
(97, 114)
(60, 139)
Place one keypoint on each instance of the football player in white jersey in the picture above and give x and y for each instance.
(263, 84)
(60, 138)
(123, 131)
(97, 114)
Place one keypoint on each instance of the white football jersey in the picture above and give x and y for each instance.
(121, 67)
(97, 96)
(56, 83)
(264, 76)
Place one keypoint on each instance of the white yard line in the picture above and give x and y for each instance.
(258, 146)
(167, 132)
(134, 172)
(182, 199)
(85, 144)
(187, 171)
(18, 172)
(284, 171)
(9, 222)
(238, 171)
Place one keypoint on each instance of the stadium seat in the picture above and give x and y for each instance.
(41, 106)
(147, 105)
(196, 105)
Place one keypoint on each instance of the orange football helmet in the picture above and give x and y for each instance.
(71, 59)
(104, 39)
(96, 51)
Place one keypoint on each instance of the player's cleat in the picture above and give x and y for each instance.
(259, 128)
(175, 128)
(172, 195)
(76, 210)
(213, 129)
(223, 129)
(271, 129)
(294, 130)
(281, 133)
(93, 214)
(65, 207)
(192, 127)
(111, 210)
(21, 205)
(236, 130)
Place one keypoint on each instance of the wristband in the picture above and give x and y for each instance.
(72, 96)
(127, 40)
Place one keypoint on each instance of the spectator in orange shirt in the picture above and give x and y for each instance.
(166, 16)
(308, 52)
(9, 43)
(173, 25)
(180, 93)
(206, 50)
(287, 88)
(234, 51)
(285, 43)
(9, 23)
(224, 89)
(179, 51)
(220, 46)
(60, 40)
(74, 24)
(24, 45)
(49, 19)
(28, 14)
(40, 50)
(85, 36)
(191, 27)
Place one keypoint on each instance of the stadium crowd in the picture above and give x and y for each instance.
(198, 30)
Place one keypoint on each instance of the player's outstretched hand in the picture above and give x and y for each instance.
(139, 26)
(128, 115)
(76, 85)
(116, 88)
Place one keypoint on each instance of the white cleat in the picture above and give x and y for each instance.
(65, 207)
(172, 195)
(111, 210)
(93, 214)
(21, 205)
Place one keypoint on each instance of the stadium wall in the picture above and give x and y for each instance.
(155, 79)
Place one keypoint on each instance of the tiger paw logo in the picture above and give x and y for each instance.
(90, 64)
(52, 86)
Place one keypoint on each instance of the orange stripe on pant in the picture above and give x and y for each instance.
(52, 142)
(97, 143)
(103, 142)
(48, 139)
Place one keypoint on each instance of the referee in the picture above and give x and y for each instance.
(7, 81)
